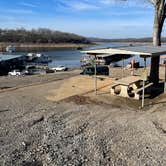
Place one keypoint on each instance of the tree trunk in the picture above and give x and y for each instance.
(157, 29)
(154, 72)
(157, 32)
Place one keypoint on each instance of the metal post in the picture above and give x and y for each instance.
(122, 67)
(144, 62)
(143, 94)
(95, 79)
(143, 91)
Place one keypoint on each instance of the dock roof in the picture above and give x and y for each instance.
(6, 57)
(133, 50)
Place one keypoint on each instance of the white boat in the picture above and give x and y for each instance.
(10, 48)
(31, 56)
(41, 58)
(38, 58)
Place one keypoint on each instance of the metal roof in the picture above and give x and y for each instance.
(104, 55)
(5, 57)
(134, 50)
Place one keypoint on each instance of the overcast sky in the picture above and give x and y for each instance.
(91, 18)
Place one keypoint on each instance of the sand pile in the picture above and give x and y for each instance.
(80, 85)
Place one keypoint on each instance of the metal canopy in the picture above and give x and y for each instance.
(5, 57)
(136, 50)
(104, 55)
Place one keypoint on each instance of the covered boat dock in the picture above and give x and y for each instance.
(143, 52)
(148, 51)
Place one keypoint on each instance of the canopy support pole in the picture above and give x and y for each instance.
(143, 91)
(95, 77)
(122, 66)
(144, 62)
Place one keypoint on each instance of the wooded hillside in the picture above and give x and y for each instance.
(40, 35)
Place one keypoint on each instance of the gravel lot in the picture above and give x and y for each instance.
(80, 130)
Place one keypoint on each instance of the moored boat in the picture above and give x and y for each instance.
(38, 58)
(103, 59)
(10, 48)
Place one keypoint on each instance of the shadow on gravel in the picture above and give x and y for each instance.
(5, 87)
(5, 110)
(33, 163)
(81, 100)
(107, 102)
(157, 91)
(157, 95)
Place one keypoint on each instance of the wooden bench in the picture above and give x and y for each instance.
(136, 91)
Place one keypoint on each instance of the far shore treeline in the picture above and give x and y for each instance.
(48, 36)
(40, 35)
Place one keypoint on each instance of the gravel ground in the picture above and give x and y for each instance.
(80, 130)
(7, 82)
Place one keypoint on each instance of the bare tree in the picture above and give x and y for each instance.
(159, 18)
(160, 15)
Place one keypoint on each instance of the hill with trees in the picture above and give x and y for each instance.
(40, 35)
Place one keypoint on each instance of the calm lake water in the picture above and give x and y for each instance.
(71, 57)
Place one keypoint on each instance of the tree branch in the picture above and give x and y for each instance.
(151, 1)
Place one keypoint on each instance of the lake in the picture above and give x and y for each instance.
(71, 57)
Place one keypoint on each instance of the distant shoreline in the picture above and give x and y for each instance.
(126, 42)
(59, 46)
(43, 47)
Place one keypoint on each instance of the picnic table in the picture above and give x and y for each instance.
(128, 87)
